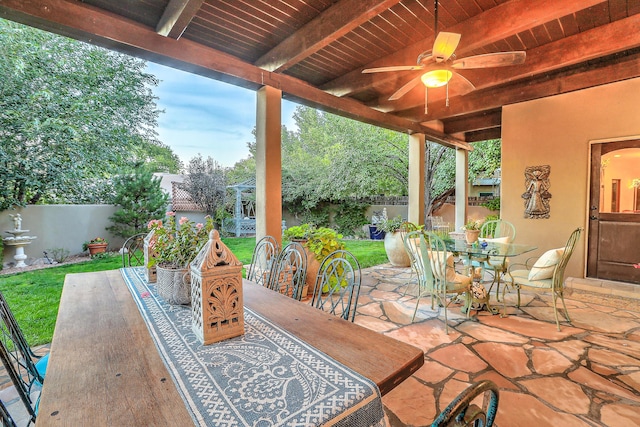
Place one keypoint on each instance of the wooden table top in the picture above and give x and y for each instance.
(104, 368)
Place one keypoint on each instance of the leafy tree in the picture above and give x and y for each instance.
(206, 183)
(141, 199)
(70, 114)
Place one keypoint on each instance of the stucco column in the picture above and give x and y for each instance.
(268, 163)
(417, 149)
(462, 177)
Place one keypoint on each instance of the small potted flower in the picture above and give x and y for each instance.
(97, 245)
(472, 230)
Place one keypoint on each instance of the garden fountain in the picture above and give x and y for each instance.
(18, 240)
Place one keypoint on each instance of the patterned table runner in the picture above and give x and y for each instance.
(266, 377)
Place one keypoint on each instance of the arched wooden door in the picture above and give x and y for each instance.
(614, 212)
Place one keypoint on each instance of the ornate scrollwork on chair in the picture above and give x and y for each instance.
(462, 413)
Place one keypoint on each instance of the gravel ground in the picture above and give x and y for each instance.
(40, 264)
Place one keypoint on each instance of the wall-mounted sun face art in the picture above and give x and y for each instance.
(536, 196)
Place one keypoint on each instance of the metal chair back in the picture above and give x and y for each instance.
(337, 286)
(133, 250)
(289, 272)
(558, 272)
(20, 370)
(498, 228)
(264, 256)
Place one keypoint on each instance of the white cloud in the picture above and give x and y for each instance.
(205, 116)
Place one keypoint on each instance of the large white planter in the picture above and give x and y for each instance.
(396, 252)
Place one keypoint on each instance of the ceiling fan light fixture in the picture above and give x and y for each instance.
(436, 78)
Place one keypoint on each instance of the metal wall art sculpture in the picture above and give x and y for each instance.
(536, 196)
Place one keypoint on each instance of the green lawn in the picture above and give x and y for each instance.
(34, 296)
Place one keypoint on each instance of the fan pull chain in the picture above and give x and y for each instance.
(426, 91)
(447, 102)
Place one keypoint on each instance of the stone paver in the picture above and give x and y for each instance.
(586, 374)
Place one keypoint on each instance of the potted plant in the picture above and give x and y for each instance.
(472, 230)
(394, 230)
(318, 243)
(97, 245)
(175, 246)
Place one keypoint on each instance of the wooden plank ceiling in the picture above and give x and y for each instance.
(315, 50)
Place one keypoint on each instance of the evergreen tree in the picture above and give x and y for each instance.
(141, 199)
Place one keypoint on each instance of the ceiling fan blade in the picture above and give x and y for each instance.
(393, 68)
(404, 89)
(498, 59)
(445, 45)
(465, 87)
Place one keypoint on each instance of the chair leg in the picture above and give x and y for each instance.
(555, 308)
(566, 312)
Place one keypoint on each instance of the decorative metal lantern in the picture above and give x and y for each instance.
(216, 292)
(149, 272)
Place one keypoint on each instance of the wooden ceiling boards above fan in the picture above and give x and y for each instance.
(440, 64)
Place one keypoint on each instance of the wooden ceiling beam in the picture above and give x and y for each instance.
(595, 43)
(333, 23)
(617, 68)
(177, 16)
(481, 30)
(83, 22)
(486, 120)
(483, 135)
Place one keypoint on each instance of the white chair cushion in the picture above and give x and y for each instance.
(451, 274)
(544, 266)
(521, 277)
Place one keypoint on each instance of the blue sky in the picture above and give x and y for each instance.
(207, 116)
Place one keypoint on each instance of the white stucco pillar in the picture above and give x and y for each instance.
(462, 177)
(417, 149)
(268, 163)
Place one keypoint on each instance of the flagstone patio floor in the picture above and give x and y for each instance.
(588, 374)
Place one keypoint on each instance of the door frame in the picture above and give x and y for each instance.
(596, 149)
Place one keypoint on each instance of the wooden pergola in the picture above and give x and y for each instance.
(313, 52)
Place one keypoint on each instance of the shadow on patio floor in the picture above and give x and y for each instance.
(587, 374)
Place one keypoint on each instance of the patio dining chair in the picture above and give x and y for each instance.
(498, 231)
(446, 280)
(26, 385)
(13, 338)
(546, 274)
(262, 260)
(289, 271)
(461, 412)
(337, 285)
(133, 250)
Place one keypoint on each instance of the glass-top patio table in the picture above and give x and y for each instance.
(498, 252)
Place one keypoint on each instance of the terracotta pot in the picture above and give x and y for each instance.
(394, 246)
(471, 236)
(96, 248)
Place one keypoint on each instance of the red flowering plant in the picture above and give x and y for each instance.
(177, 244)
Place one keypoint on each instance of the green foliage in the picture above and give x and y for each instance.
(206, 183)
(395, 224)
(71, 114)
(59, 254)
(140, 198)
(492, 205)
(320, 241)
(350, 217)
(176, 245)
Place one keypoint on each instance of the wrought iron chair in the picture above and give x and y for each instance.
(289, 272)
(337, 285)
(5, 417)
(23, 375)
(422, 269)
(264, 256)
(461, 412)
(545, 275)
(446, 280)
(499, 231)
(133, 250)
(13, 338)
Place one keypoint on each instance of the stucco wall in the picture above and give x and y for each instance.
(557, 131)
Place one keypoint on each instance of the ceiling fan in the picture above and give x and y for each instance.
(440, 65)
